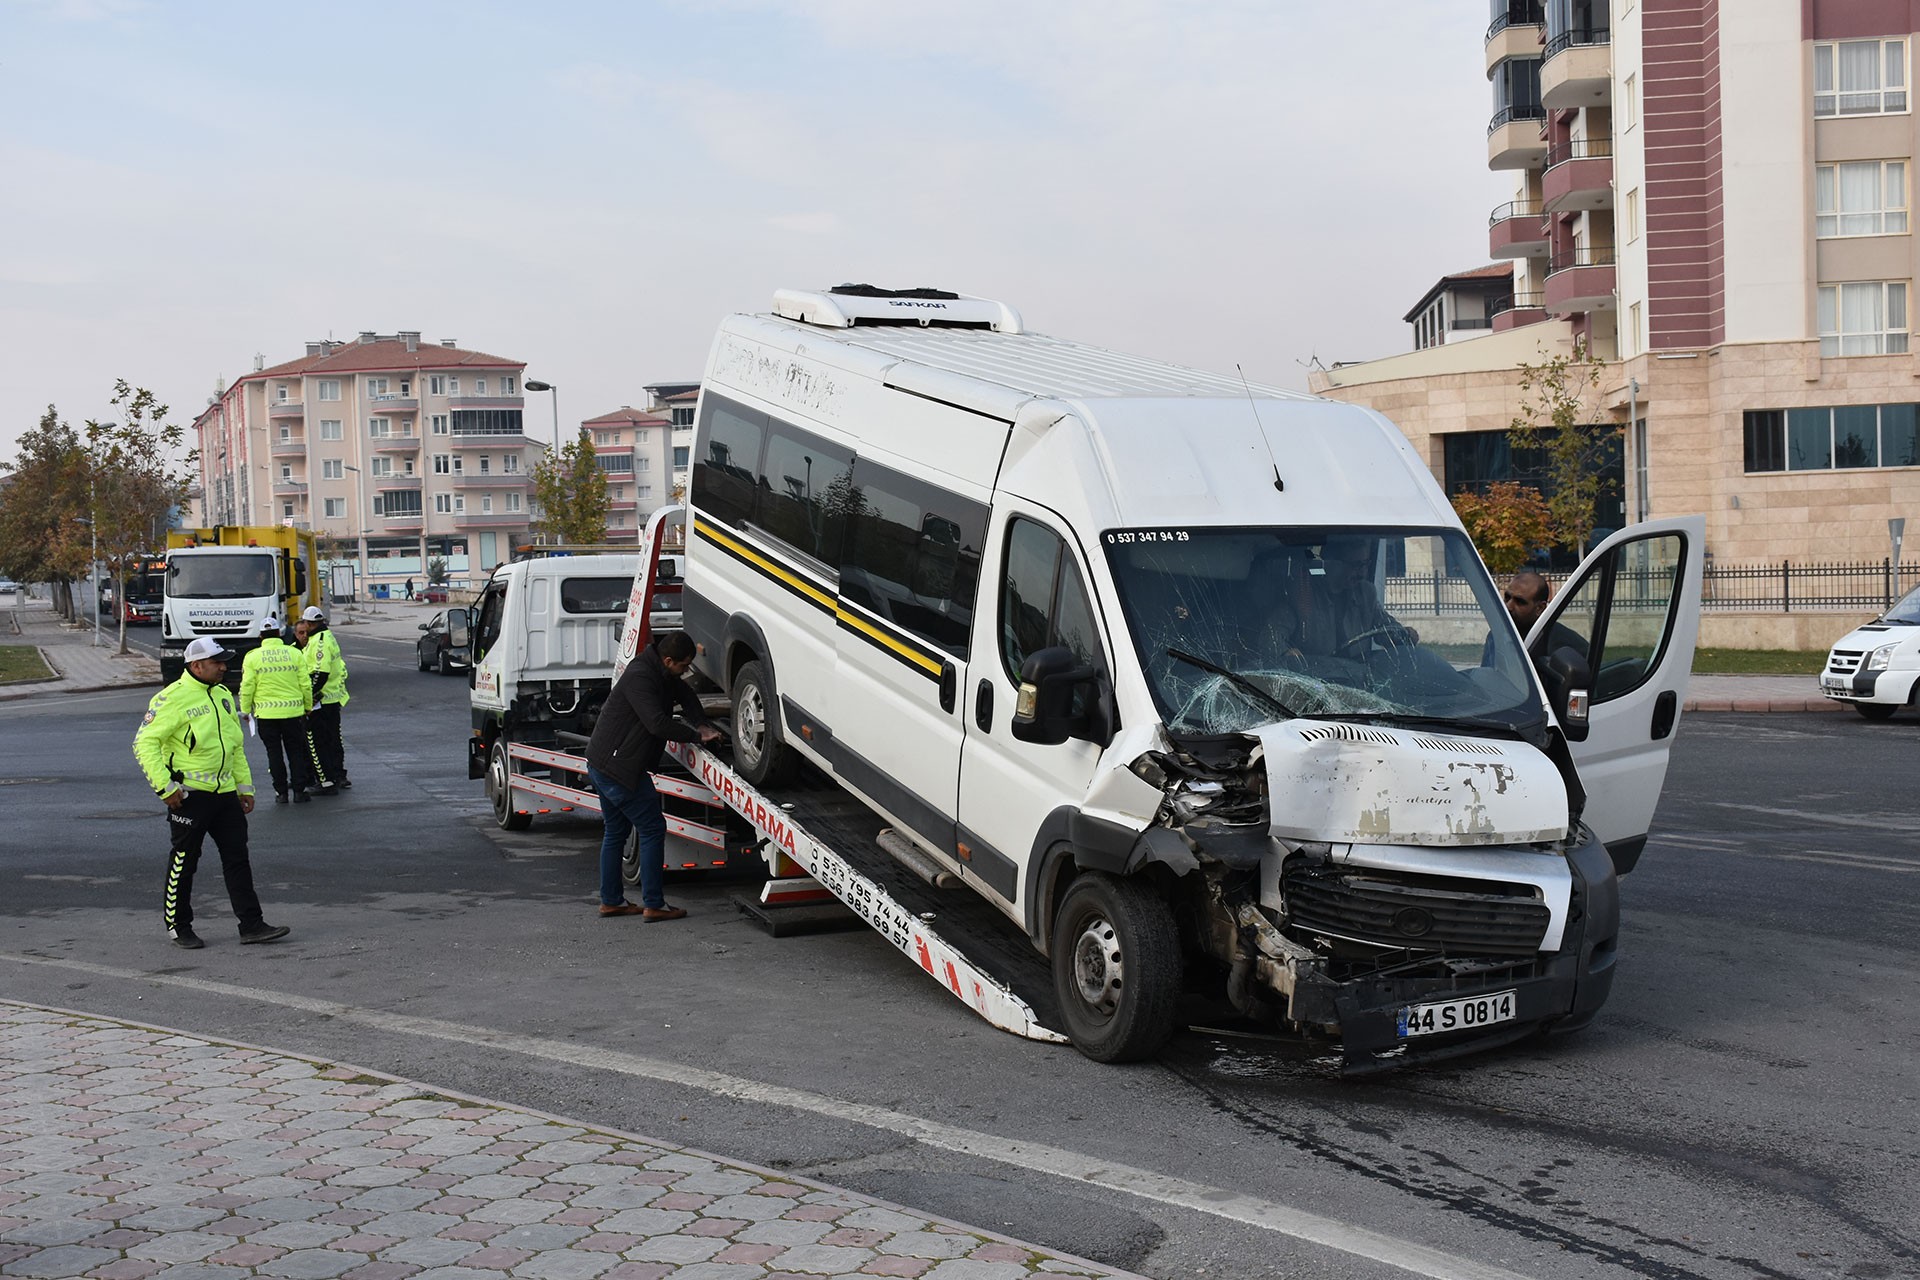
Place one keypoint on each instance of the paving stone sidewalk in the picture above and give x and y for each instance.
(130, 1152)
(81, 665)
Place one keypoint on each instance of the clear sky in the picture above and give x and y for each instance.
(589, 186)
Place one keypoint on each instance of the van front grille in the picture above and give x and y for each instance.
(1419, 913)
(1844, 662)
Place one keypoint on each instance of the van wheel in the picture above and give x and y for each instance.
(1116, 968)
(500, 790)
(1875, 710)
(759, 749)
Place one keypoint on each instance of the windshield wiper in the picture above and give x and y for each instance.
(1432, 722)
(1238, 681)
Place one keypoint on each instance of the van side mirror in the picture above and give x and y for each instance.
(1569, 683)
(1043, 713)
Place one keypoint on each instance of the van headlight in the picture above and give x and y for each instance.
(1879, 659)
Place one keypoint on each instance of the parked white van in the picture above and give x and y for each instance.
(1201, 684)
(1875, 669)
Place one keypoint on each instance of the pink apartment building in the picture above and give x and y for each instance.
(1714, 198)
(634, 448)
(408, 451)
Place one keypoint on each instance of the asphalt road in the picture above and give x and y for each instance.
(1745, 1106)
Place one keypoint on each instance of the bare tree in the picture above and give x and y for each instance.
(136, 481)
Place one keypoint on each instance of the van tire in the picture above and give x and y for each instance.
(1876, 710)
(1116, 967)
(500, 789)
(760, 751)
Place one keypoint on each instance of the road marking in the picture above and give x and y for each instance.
(1901, 822)
(1852, 862)
(1032, 1156)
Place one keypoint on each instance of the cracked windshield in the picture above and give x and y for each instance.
(221, 577)
(1237, 628)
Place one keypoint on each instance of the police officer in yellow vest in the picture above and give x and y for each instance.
(275, 691)
(193, 751)
(328, 671)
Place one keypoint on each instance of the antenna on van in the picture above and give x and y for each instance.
(1254, 405)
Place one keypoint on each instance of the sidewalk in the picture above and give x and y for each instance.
(70, 651)
(1757, 693)
(129, 1151)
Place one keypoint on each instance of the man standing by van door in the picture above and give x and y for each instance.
(1526, 598)
(275, 691)
(193, 751)
(327, 669)
(628, 740)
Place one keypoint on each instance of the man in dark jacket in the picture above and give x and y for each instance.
(633, 730)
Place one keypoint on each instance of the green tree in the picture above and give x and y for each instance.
(135, 482)
(1557, 418)
(570, 491)
(437, 571)
(1507, 523)
(43, 509)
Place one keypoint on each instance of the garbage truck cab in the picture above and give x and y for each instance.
(1201, 684)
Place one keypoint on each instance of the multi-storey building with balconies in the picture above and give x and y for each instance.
(1713, 200)
(400, 451)
(676, 402)
(634, 449)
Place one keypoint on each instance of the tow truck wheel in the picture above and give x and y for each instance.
(500, 790)
(759, 751)
(630, 859)
(1116, 968)
(1875, 710)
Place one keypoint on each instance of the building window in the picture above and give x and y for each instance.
(1630, 100)
(643, 464)
(280, 392)
(1633, 215)
(486, 504)
(643, 491)
(381, 467)
(380, 428)
(332, 469)
(683, 416)
(622, 463)
(601, 439)
(509, 386)
(439, 424)
(376, 386)
(486, 422)
(1859, 77)
(286, 474)
(437, 385)
(1842, 437)
(336, 508)
(680, 455)
(443, 503)
(286, 435)
(442, 464)
(329, 428)
(640, 436)
(510, 463)
(459, 503)
(453, 386)
(513, 502)
(459, 464)
(1868, 198)
(1636, 340)
(1866, 319)
(485, 467)
(286, 511)
(328, 388)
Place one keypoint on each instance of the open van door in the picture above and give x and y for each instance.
(1633, 609)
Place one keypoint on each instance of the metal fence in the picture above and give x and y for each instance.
(1782, 587)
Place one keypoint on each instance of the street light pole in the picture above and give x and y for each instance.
(360, 509)
(533, 385)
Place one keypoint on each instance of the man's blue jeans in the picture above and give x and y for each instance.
(628, 809)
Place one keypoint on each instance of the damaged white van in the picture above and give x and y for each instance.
(1201, 684)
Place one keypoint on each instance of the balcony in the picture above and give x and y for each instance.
(286, 409)
(1579, 176)
(288, 448)
(499, 480)
(1517, 229)
(1512, 40)
(401, 519)
(1513, 138)
(1580, 280)
(394, 444)
(515, 441)
(289, 488)
(486, 402)
(396, 482)
(1578, 71)
(393, 404)
(621, 535)
(491, 519)
(622, 504)
(1514, 310)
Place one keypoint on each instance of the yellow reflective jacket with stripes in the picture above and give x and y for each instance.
(273, 682)
(191, 737)
(323, 654)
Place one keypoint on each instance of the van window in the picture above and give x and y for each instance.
(594, 595)
(727, 460)
(1044, 602)
(805, 487)
(913, 554)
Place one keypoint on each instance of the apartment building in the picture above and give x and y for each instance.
(634, 449)
(402, 451)
(1713, 199)
(676, 402)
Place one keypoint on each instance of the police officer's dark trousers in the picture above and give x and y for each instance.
(328, 752)
(289, 758)
(202, 814)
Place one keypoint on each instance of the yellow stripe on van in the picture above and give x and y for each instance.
(772, 568)
(901, 647)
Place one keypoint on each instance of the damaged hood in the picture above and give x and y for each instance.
(1370, 784)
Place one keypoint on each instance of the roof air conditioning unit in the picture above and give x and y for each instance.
(849, 305)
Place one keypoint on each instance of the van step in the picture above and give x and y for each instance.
(913, 858)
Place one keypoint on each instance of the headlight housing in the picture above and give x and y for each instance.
(1879, 659)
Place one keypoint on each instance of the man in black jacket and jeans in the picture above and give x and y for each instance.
(633, 730)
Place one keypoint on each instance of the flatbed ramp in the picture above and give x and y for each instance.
(954, 936)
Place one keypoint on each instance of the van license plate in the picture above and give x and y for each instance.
(1835, 682)
(1457, 1015)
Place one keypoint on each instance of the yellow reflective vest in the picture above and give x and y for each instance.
(273, 682)
(191, 737)
(323, 654)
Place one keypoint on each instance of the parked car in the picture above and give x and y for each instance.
(434, 593)
(1875, 668)
(443, 643)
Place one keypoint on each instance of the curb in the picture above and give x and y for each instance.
(85, 688)
(1789, 705)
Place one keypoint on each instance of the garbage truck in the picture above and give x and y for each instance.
(227, 581)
